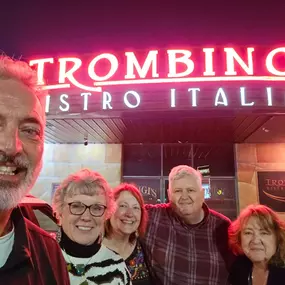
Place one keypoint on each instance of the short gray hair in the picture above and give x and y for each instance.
(21, 71)
(181, 171)
(84, 182)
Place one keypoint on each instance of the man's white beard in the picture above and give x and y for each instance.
(11, 195)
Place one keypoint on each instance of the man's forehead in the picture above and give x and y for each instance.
(186, 179)
(18, 100)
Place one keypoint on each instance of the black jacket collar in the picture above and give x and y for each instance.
(21, 252)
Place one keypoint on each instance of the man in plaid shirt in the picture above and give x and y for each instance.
(186, 242)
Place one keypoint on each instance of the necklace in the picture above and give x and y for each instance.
(265, 281)
(78, 269)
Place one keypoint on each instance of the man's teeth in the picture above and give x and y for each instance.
(84, 228)
(7, 170)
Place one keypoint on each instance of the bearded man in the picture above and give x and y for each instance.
(29, 255)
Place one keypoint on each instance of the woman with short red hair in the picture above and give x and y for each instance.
(257, 236)
(124, 229)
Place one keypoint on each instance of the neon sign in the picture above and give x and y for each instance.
(197, 65)
(193, 97)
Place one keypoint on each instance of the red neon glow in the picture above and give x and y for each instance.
(150, 61)
(209, 69)
(269, 62)
(168, 66)
(40, 71)
(192, 79)
(63, 74)
(232, 55)
(185, 59)
(114, 66)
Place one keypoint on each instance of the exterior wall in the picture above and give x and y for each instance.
(60, 160)
(251, 158)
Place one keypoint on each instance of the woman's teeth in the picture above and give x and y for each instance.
(128, 222)
(84, 228)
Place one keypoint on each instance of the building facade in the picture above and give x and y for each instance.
(134, 115)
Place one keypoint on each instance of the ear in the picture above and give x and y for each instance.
(59, 219)
(203, 191)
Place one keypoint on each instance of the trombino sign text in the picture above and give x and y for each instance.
(95, 72)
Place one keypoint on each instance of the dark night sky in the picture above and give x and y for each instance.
(32, 28)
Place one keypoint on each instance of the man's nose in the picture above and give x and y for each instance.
(10, 143)
(185, 194)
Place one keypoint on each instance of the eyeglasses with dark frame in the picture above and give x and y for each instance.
(78, 209)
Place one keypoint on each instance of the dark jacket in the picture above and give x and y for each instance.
(242, 268)
(36, 258)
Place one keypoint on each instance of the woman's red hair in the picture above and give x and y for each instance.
(269, 220)
(144, 217)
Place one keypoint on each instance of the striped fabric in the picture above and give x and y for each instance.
(105, 267)
(180, 254)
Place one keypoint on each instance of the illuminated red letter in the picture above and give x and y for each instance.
(232, 55)
(269, 62)
(114, 66)
(173, 60)
(63, 74)
(40, 69)
(151, 60)
(209, 62)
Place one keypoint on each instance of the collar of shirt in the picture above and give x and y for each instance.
(21, 253)
(177, 219)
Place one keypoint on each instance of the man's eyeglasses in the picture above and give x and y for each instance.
(78, 208)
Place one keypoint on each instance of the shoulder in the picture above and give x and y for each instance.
(219, 218)
(109, 258)
(112, 259)
(240, 270)
(42, 243)
(157, 208)
(45, 248)
(277, 273)
(107, 253)
(138, 251)
(39, 234)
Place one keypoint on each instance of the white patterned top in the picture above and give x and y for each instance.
(105, 267)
